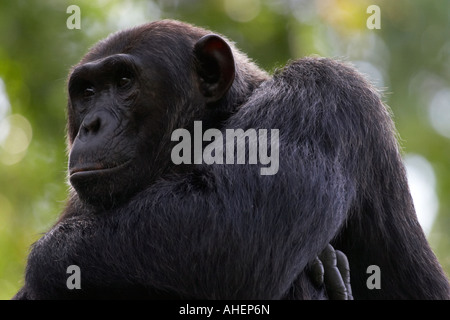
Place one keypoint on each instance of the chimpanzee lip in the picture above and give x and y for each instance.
(97, 168)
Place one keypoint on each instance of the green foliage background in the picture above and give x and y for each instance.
(410, 55)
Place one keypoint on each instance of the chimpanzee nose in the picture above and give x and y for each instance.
(91, 124)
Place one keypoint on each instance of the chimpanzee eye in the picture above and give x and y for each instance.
(123, 82)
(88, 92)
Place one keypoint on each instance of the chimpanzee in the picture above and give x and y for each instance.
(139, 225)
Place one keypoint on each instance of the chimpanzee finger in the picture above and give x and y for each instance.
(344, 269)
(316, 272)
(334, 283)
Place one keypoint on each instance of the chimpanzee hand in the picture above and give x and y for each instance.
(332, 269)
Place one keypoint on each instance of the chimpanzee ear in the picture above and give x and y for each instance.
(215, 66)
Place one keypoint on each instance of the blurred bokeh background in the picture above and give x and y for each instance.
(408, 58)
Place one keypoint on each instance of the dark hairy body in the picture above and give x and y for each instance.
(139, 226)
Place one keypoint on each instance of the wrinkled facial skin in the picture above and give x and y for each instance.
(102, 94)
(111, 132)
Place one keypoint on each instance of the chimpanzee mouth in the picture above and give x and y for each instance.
(95, 169)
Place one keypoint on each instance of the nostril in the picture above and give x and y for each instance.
(92, 124)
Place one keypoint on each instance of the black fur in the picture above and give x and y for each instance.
(227, 232)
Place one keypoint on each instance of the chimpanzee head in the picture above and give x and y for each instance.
(134, 88)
